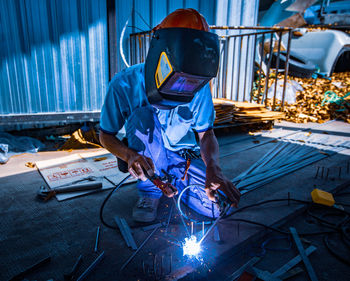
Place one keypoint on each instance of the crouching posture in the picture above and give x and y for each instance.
(162, 104)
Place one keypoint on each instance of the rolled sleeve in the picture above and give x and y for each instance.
(112, 119)
(204, 115)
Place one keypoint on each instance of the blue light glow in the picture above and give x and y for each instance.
(191, 247)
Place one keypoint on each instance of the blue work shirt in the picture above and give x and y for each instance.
(126, 92)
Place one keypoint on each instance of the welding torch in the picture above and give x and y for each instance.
(224, 205)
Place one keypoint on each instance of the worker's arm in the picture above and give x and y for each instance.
(135, 161)
(215, 179)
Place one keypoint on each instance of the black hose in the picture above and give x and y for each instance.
(107, 198)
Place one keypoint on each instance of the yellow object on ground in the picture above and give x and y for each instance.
(82, 139)
(322, 197)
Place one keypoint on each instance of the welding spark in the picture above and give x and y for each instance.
(191, 247)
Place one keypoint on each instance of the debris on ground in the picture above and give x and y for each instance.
(82, 138)
(322, 99)
(11, 145)
(30, 165)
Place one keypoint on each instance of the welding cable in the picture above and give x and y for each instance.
(107, 198)
(178, 203)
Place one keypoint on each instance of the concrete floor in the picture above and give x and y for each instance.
(31, 230)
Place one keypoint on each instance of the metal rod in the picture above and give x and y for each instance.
(97, 238)
(322, 172)
(286, 68)
(91, 267)
(246, 68)
(250, 27)
(252, 86)
(239, 65)
(233, 67)
(181, 217)
(268, 70)
(303, 255)
(203, 228)
(293, 262)
(260, 66)
(138, 249)
(169, 218)
(276, 69)
(213, 225)
(327, 173)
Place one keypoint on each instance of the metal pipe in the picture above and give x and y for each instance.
(91, 267)
(286, 68)
(261, 61)
(276, 69)
(246, 67)
(239, 65)
(251, 27)
(97, 238)
(252, 86)
(267, 77)
(138, 249)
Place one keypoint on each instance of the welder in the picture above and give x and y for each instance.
(163, 103)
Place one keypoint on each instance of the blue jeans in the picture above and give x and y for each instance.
(145, 136)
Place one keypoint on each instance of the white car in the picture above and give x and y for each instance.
(329, 50)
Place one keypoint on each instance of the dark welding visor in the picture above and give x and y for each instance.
(180, 61)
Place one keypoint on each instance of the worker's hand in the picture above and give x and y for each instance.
(138, 163)
(215, 179)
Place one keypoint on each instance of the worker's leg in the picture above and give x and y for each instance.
(194, 197)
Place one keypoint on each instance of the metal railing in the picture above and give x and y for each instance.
(249, 58)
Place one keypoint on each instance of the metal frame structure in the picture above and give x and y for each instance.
(241, 53)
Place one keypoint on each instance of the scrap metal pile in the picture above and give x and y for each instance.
(321, 99)
(228, 111)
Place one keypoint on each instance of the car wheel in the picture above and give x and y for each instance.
(299, 66)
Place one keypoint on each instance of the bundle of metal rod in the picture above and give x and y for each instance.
(286, 157)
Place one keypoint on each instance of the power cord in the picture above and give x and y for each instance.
(107, 198)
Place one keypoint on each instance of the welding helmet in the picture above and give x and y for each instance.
(183, 57)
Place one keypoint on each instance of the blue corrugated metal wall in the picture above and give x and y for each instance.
(53, 55)
(146, 14)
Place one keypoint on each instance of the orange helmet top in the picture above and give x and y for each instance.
(186, 18)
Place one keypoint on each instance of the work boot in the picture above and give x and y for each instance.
(145, 209)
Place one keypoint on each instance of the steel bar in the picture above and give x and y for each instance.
(276, 69)
(264, 275)
(71, 274)
(233, 67)
(240, 40)
(169, 218)
(138, 249)
(260, 65)
(224, 68)
(303, 255)
(257, 182)
(239, 271)
(286, 68)
(250, 27)
(216, 234)
(293, 262)
(267, 77)
(213, 225)
(254, 53)
(97, 238)
(91, 267)
(126, 232)
(32, 268)
(246, 67)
